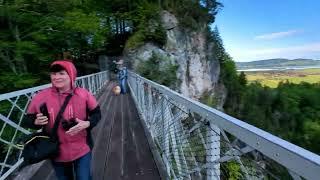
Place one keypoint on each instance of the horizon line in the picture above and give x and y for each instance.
(290, 59)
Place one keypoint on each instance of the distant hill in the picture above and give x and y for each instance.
(277, 63)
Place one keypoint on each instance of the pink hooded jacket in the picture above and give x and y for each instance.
(82, 102)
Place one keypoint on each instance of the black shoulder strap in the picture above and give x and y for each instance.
(57, 120)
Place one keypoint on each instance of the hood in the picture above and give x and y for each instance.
(70, 68)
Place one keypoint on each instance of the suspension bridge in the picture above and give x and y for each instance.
(156, 133)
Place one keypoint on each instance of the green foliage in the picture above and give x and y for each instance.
(219, 52)
(193, 14)
(234, 83)
(33, 34)
(290, 111)
(160, 70)
(234, 171)
(243, 79)
(149, 28)
(144, 35)
(79, 21)
(228, 74)
(11, 81)
(311, 137)
(209, 99)
(136, 40)
(88, 27)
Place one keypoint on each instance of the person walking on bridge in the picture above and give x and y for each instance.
(81, 114)
(122, 76)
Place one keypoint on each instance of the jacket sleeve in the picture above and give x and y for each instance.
(93, 109)
(94, 117)
(28, 122)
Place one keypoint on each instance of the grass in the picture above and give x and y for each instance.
(272, 78)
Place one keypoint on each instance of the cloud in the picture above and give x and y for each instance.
(311, 50)
(313, 47)
(277, 35)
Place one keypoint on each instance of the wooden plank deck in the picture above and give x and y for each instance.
(121, 149)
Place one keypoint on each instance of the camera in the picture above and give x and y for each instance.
(67, 124)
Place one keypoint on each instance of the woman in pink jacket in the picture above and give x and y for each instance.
(81, 114)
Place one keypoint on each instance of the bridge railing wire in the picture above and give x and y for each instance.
(13, 107)
(198, 142)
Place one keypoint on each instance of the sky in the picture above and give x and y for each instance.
(266, 29)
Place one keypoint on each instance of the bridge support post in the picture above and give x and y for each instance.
(213, 151)
(165, 136)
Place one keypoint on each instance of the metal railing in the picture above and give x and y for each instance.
(195, 141)
(12, 110)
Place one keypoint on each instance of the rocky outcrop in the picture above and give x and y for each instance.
(198, 71)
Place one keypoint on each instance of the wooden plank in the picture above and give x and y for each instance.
(102, 137)
(114, 151)
(147, 167)
(130, 156)
(131, 165)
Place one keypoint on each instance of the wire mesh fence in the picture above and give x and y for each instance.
(194, 143)
(12, 110)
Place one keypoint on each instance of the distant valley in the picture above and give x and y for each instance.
(278, 64)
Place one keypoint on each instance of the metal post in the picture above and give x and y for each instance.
(213, 151)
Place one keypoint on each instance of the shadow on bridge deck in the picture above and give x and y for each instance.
(121, 149)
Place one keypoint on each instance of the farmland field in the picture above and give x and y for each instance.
(272, 78)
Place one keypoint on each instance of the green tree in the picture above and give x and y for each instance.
(33, 33)
(160, 70)
(243, 79)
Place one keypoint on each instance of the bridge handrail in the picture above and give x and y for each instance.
(293, 157)
(38, 88)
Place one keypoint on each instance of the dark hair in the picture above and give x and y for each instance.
(56, 68)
